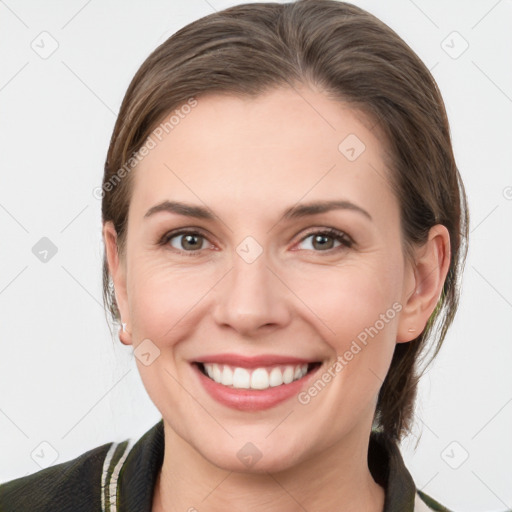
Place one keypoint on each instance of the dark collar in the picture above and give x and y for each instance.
(140, 471)
(388, 469)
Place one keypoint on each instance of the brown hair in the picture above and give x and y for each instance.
(353, 57)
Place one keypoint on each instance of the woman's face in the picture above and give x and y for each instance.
(241, 269)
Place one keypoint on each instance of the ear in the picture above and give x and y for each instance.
(117, 269)
(424, 283)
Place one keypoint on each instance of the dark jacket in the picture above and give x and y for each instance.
(120, 477)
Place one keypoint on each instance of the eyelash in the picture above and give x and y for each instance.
(340, 236)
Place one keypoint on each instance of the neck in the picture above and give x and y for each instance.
(336, 479)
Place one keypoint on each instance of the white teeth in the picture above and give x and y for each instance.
(288, 374)
(276, 377)
(241, 378)
(227, 376)
(217, 373)
(258, 378)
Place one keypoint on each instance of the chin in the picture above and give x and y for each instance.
(254, 457)
(266, 464)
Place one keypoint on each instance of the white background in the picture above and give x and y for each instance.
(64, 381)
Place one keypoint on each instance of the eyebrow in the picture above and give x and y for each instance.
(294, 212)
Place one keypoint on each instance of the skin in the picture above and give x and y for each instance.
(248, 160)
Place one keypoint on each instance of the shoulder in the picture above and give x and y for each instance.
(114, 474)
(72, 485)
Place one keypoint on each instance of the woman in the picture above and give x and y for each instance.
(285, 228)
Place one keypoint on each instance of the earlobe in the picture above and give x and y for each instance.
(125, 337)
(424, 285)
(118, 274)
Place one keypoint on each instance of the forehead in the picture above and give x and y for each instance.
(279, 146)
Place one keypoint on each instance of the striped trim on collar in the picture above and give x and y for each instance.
(112, 465)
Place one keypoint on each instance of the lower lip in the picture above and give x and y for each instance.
(252, 399)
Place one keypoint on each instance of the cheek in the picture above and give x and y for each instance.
(349, 299)
(355, 309)
(164, 299)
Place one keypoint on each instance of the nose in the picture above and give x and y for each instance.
(252, 298)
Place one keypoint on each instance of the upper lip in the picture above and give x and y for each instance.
(253, 361)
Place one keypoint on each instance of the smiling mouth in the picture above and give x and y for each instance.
(261, 378)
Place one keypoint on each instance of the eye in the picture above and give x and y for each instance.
(192, 242)
(324, 240)
(185, 241)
